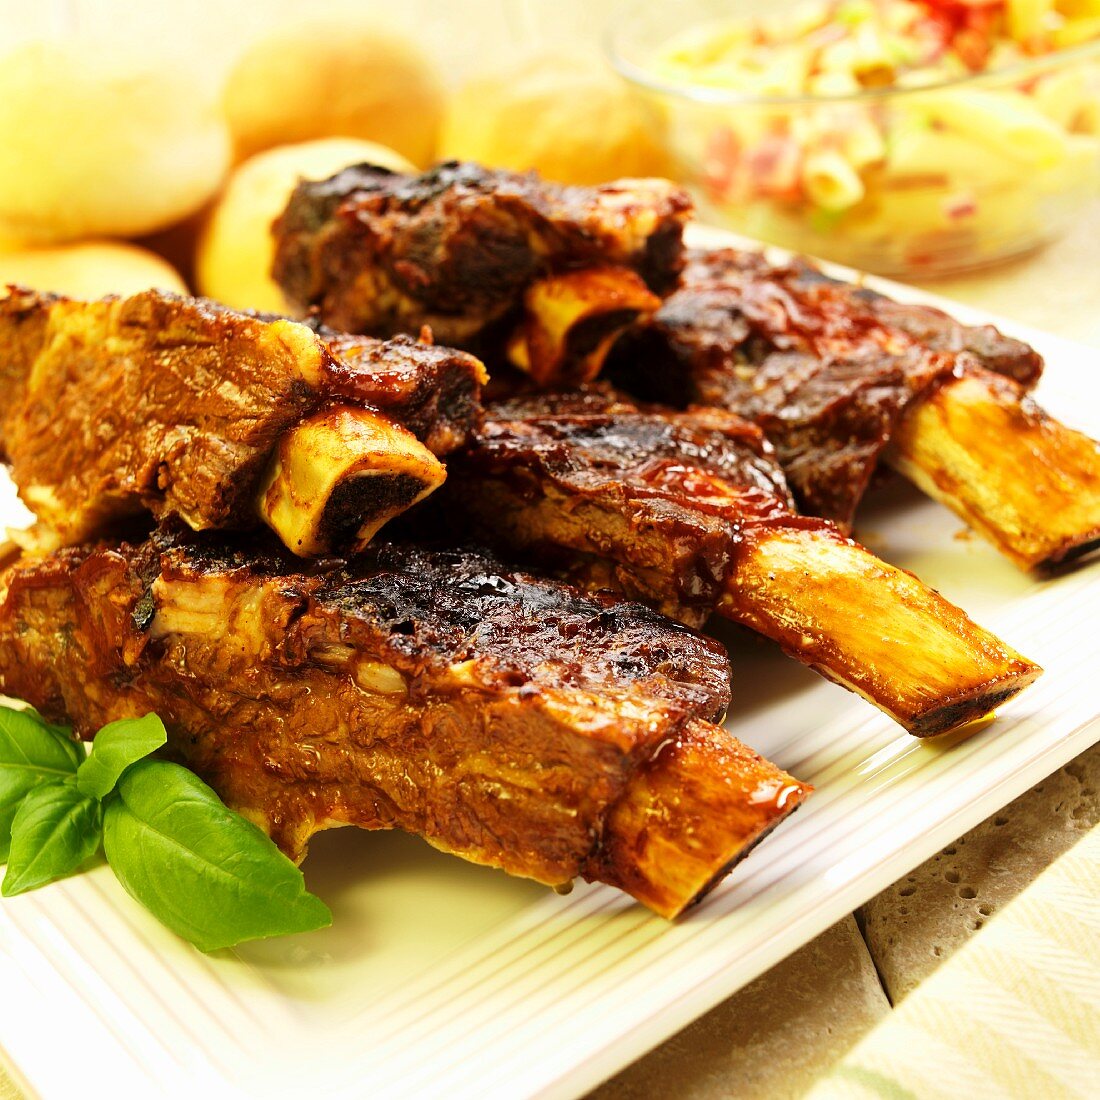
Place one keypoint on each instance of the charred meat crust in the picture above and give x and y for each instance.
(937, 330)
(176, 404)
(571, 477)
(826, 369)
(455, 248)
(451, 605)
(496, 714)
(431, 390)
(867, 311)
(595, 426)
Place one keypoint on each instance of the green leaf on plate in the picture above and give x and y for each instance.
(32, 752)
(211, 876)
(117, 746)
(56, 830)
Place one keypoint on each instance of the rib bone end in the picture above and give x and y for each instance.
(876, 629)
(688, 816)
(1026, 482)
(336, 478)
(572, 320)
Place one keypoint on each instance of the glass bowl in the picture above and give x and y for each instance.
(903, 181)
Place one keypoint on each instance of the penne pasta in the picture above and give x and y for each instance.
(863, 143)
(1063, 96)
(1006, 121)
(830, 181)
(920, 152)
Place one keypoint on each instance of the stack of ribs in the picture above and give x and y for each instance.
(688, 511)
(836, 377)
(513, 720)
(546, 705)
(840, 377)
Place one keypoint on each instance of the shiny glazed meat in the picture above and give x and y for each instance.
(654, 502)
(177, 406)
(509, 720)
(826, 369)
(456, 247)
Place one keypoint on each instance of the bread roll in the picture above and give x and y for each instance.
(334, 79)
(89, 270)
(569, 117)
(233, 262)
(100, 142)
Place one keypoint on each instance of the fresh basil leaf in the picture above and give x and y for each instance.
(56, 829)
(25, 708)
(208, 874)
(117, 746)
(32, 752)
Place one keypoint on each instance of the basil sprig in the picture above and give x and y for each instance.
(56, 830)
(117, 746)
(166, 817)
(31, 753)
(207, 873)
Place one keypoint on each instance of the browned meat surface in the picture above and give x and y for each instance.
(827, 370)
(689, 512)
(466, 250)
(509, 720)
(182, 408)
(937, 330)
(431, 390)
(825, 309)
(666, 496)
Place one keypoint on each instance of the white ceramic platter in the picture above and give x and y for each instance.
(443, 979)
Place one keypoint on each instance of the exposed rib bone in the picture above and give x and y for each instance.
(571, 321)
(873, 628)
(337, 477)
(1022, 479)
(688, 815)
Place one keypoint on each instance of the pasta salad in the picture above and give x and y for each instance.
(897, 134)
